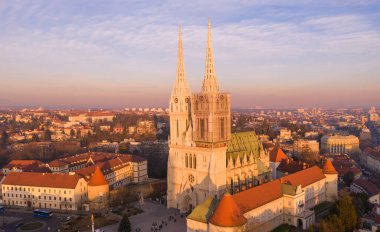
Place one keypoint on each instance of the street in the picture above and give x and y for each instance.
(50, 224)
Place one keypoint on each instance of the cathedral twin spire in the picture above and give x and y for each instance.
(181, 86)
(210, 82)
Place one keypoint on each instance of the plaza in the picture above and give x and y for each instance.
(154, 213)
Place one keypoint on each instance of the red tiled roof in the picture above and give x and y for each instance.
(305, 177)
(97, 178)
(344, 169)
(276, 155)
(328, 168)
(291, 166)
(227, 213)
(57, 163)
(260, 195)
(57, 180)
(263, 194)
(368, 186)
(22, 163)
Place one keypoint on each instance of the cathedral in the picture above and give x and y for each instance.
(205, 158)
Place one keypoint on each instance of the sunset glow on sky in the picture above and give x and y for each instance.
(270, 53)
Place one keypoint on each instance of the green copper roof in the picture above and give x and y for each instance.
(261, 167)
(288, 189)
(203, 211)
(243, 143)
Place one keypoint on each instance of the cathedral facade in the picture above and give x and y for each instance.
(205, 159)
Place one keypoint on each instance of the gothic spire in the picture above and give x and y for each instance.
(210, 83)
(181, 85)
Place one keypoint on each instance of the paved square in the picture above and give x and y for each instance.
(154, 212)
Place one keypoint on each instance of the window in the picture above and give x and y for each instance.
(190, 161)
(177, 129)
(186, 161)
(222, 128)
(195, 162)
(202, 125)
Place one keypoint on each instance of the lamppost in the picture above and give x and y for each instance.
(4, 214)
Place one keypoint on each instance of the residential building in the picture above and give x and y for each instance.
(302, 146)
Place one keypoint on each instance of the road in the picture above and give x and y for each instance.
(52, 224)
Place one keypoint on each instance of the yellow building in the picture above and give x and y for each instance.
(340, 144)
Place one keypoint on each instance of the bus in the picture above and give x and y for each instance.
(42, 213)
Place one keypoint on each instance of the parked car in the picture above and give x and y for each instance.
(18, 225)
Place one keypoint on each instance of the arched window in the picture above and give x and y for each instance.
(195, 162)
(190, 161)
(186, 161)
(222, 128)
(202, 122)
(177, 129)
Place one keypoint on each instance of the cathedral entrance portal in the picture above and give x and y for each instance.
(186, 205)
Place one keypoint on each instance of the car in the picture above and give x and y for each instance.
(68, 218)
(18, 225)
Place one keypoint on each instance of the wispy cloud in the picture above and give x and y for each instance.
(135, 41)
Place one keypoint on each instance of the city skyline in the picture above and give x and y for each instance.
(268, 53)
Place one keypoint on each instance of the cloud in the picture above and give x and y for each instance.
(134, 43)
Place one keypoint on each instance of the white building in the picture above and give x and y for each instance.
(340, 144)
(286, 200)
(44, 190)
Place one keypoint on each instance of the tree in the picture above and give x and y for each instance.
(47, 135)
(343, 220)
(348, 178)
(125, 224)
(331, 224)
(308, 156)
(78, 133)
(72, 132)
(35, 138)
(4, 137)
(347, 213)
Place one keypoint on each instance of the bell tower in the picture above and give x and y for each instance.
(211, 108)
(200, 128)
(180, 105)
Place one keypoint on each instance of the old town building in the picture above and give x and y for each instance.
(286, 200)
(44, 190)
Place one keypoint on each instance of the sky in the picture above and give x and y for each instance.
(116, 54)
